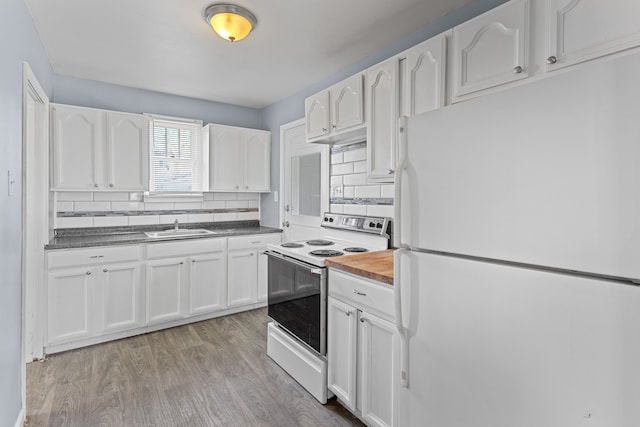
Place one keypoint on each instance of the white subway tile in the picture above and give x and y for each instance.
(218, 204)
(380, 210)
(248, 196)
(207, 196)
(360, 167)
(355, 179)
(235, 204)
(64, 207)
(228, 216)
(72, 196)
(110, 221)
(349, 192)
(254, 203)
(154, 206)
(201, 217)
(136, 197)
(144, 220)
(170, 219)
(127, 206)
(368, 191)
(91, 206)
(336, 208)
(188, 205)
(248, 216)
(336, 158)
(74, 222)
(225, 196)
(355, 209)
(336, 180)
(342, 169)
(387, 191)
(355, 155)
(116, 196)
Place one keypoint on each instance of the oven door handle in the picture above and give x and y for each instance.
(309, 267)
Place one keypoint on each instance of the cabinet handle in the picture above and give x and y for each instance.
(95, 185)
(517, 69)
(285, 224)
(390, 172)
(348, 313)
(105, 270)
(355, 291)
(181, 262)
(193, 260)
(88, 273)
(334, 126)
(251, 254)
(96, 256)
(253, 243)
(363, 319)
(552, 60)
(110, 185)
(324, 129)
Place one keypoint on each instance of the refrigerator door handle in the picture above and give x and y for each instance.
(397, 188)
(402, 330)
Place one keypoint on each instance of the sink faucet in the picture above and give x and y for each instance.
(175, 225)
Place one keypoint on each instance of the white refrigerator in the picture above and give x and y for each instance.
(518, 224)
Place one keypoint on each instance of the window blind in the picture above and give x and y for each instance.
(176, 156)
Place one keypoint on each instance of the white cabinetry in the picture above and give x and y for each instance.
(207, 282)
(91, 291)
(491, 49)
(247, 282)
(382, 112)
(99, 150)
(424, 76)
(337, 113)
(363, 347)
(165, 289)
(579, 30)
(239, 160)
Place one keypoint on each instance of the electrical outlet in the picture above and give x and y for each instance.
(336, 191)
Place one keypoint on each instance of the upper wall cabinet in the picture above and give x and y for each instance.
(579, 30)
(239, 159)
(337, 114)
(491, 49)
(424, 76)
(99, 150)
(382, 113)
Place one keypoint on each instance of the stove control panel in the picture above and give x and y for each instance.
(374, 225)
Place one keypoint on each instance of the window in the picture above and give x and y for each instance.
(176, 155)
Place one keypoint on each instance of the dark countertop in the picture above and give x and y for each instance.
(108, 236)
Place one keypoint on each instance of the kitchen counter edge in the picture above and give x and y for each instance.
(371, 265)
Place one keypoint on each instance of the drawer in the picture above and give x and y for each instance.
(257, 241)
(363, 294)
(92, 256)
(185, 247)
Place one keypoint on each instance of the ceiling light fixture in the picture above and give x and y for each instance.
(229, 21)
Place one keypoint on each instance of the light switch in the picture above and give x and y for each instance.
(11, 183)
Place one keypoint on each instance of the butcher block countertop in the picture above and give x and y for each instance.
(372, 265)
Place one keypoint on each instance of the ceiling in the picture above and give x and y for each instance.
(166, 46)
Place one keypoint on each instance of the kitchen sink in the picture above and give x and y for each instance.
(180, 232)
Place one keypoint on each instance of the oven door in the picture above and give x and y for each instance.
(297, 299)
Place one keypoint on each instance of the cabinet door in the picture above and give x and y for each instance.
(341, 351)
(491, 49)
(120, 300)
(69, 295)
(316, 109)
(425, 76)
(382, 114)
(347, 104)
(263, 276)
(243, 277)
(207, 283)
(379, 365)
(579, 30)
(257, 160)
(127, 150)
(164, 290)
(225, 158)
(77, 147)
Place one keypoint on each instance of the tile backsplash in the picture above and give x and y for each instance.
(350, 191)
(106, 209)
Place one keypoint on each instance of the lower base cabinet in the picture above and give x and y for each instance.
(362, 352)
(207, 282)
(165, 283)
(121, 298)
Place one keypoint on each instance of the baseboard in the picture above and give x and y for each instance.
(20, 420)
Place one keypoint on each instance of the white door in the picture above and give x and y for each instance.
(127, 151)
(225, 150)
(121, 304)
(304, 169)
(164, 290)
(342, 351)
(207, 282)
(69, 312)
(243, 277)
(257, 160)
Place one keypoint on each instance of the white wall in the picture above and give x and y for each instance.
(18, 42)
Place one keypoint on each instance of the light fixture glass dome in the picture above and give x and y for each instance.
(229, 21)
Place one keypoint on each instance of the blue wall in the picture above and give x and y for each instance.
(18, 42)
(292, 108)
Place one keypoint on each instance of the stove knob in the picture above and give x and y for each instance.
(372, 224)
(379, 225)
(326, 219)
(330, 219)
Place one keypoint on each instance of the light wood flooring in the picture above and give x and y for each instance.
(211, 373)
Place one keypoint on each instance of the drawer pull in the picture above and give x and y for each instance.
(96, 256)
(254, 243)
(105, 270)
(88, 273)
(359, 293)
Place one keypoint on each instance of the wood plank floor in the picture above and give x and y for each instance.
(211, 373)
